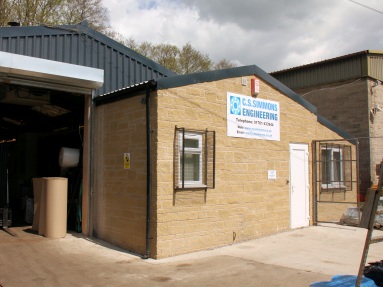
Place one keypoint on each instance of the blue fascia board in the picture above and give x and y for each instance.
(202, 77)
(184, 80)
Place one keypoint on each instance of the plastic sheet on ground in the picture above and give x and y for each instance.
(344, 281)
(351, 216)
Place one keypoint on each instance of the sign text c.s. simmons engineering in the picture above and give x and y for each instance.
(249, 117)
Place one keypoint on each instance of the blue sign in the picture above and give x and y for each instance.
(235, 105)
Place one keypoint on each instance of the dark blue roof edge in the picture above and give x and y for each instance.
(336, 129)
(124, 93)
(183, 80)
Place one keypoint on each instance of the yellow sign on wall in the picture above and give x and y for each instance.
(126, 160)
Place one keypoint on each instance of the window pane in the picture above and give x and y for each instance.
(192, 167)
(336, 166)
(191, 143)
(326, 166)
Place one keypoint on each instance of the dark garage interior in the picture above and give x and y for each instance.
(35, 123)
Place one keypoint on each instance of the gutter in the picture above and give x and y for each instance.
(91, 167)
(148, 171)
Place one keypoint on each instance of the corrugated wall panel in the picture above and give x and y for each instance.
(316, 74)
(120, 69)
(376, 67)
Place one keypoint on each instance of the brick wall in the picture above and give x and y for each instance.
(376, 127)
(119, 204)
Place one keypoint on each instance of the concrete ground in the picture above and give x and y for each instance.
(290, 259)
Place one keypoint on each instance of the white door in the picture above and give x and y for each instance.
(299, 185)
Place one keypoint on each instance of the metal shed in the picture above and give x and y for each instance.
(82, 45)
(39, 114)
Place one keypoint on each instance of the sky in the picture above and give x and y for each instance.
(272, 34)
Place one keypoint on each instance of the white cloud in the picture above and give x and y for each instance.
(274, 34)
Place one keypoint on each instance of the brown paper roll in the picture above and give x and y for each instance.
(37, 188)
(56, 193)
(41, 217)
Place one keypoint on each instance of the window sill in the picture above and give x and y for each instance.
(191, 186)
(333, 188)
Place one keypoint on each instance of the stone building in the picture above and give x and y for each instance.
(348, 91)
(197, 161)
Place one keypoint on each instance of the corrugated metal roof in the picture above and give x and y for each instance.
(81, 45)
(324, 61)
(351, 66)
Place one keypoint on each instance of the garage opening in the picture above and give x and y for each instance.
(42, 106)
(35, 124)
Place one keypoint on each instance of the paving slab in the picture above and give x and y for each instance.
(291, 259)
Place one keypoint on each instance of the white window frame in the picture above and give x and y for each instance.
(190, 150)
(332, 183)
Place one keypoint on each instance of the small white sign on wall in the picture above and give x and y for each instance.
(272, 174)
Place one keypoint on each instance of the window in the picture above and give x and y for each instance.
(194, 159)
(191, 158)
(332, 175)
(336, 167)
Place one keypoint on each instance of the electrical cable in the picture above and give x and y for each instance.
(331, 88)
(365, 6)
